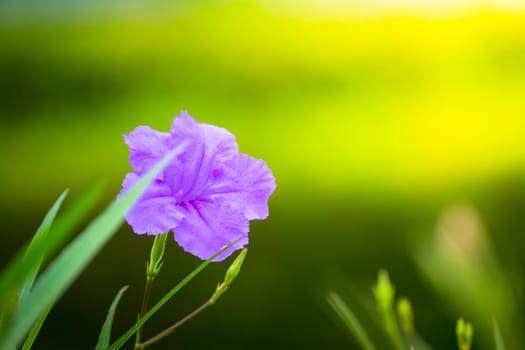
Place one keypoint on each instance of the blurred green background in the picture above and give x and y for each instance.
(374, 117)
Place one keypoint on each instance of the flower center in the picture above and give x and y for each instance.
(178, 195)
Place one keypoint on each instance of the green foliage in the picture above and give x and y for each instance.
(350, 321)
(129, 333)
(70, 263)
(33, 333)
(402, 333)
(105, 333)
(27, 261)
(384, 293)
(462, 266)
(498, 339)
(42, 230)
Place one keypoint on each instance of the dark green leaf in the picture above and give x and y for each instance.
(105, 333)
(42, 230)
(28, 259)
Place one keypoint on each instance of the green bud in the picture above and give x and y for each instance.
(384, 292)
(157, 252)
(464, 334)
(406, 315)
(235, 267)
(231, 273)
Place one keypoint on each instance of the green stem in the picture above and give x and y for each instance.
(172, 328)
(392, 330)
(133, 329)
(143, 309)
(152, 270)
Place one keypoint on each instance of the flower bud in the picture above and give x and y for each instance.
(406, 315)
(384, 292)
(157, 252)
(464, 334)
(231, 273)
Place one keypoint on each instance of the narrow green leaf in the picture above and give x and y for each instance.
(27, 259)
(125, 337)
(105, 333)
(42, 230)
(74, 258)
(498, 339)
(350, 321)
(36, 329)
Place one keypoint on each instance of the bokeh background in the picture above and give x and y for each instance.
(394, 129)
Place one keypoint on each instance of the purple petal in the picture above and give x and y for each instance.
(208, 227)
(245, 182)
(156, 212)
(220, 143)
(209, 147)
(147, 147)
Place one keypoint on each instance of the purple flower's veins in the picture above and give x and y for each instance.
(206, 196)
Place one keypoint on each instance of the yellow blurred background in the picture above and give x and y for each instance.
(373, 116)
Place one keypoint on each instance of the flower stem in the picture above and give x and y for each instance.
(172, 328)
(152, 270)
(143, 309)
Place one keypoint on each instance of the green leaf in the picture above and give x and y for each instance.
(42, 230)
(45, 245)
(105, 333)
(498, 339)
(36, 329)
(350, 321)
(125, 337)
(74, 258)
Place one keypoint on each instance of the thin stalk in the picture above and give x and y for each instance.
(392, 330)
(133, 329)
(172, 328)
(143, 309)
(152, 270)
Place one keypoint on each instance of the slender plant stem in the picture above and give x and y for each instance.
(133, 329)
(392, 330)
(143, 309)
(172, 328)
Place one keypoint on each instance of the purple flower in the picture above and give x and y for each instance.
(207, 195)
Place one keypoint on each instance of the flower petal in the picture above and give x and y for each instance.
(209, 147)
(156, 212)
(147, 147)
(220, 143)
(208, 227)
(245, 182)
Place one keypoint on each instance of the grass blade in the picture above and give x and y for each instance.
(26, 260)
(105, 333)
(36, 329)
(42, 230)
(125, 337)
(74, 258)
(498, 339)
(350, 321)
